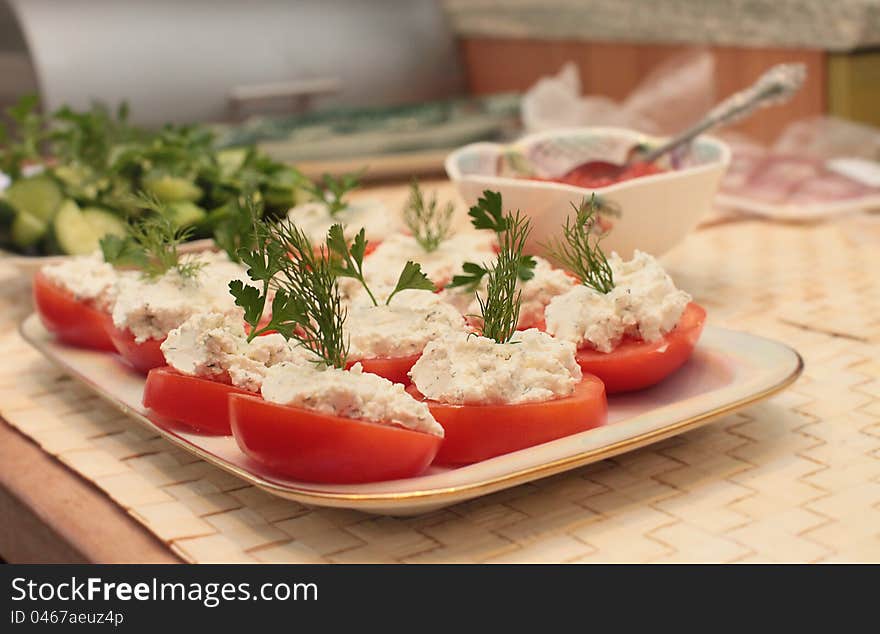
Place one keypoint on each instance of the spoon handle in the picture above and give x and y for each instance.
(775, 86)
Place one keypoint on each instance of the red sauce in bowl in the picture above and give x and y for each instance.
(593, 175)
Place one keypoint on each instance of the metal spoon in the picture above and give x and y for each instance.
(775, 86)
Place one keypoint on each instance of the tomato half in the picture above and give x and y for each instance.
(143, 357)
(315, 447)
(202, 404)
(479, 432)
(636, 364)
(395, 369)
(74, 322)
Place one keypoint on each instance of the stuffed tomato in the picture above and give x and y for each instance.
(388, 339)
(73, 299)
(73, 321)
(147, 308)
(492, 398)
(635, 364)
(632, 329)
(328, 425)
(209, 357)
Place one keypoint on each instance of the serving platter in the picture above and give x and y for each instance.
(729, 370)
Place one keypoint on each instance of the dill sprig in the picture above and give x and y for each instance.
(430, 225)
(332, 191)
(307, 306)
(500, 309)
(152, 244)
(488, 213)
(579, 250)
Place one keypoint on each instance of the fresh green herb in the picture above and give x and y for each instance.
(579, 250)
(332, 191)
(348, 261)
(236, 225)
(101, 159)
(470, 278)
(307, 306)
(411, 278)
(488, 214)
(429, 224)
(23, 144)
(500, 308)
(151, 246)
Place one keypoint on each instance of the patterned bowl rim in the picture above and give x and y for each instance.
(451, 164)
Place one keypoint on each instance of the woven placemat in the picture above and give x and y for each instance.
(795, 478)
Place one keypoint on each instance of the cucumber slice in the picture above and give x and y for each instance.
(231, 159)
(27, 230)
(184, 213)
(79, 232)
(38, 196)
(172, 188)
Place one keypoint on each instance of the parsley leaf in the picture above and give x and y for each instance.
(348, 262)
(411, 277)
(488, 214)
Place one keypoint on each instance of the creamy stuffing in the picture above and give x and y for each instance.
(211, 345)
(150, 308)
(467, 369)
(547, 283)
(644, 304)
(314, 219)
(348, 394)
(88, 277)
(402, 328)
(385, 263)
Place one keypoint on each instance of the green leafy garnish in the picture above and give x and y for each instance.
(307, 306)
(500, 308)
(235, 226)
(411, 278)
(470, 278)
(332, 191)
(429, 224)
(348, 261)
(151, 246)
(488, 214)
(579, 250)
(23, 143)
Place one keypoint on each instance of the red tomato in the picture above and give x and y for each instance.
(479, 432)
(73, 321)
(395, 369)
(315, 447)
(202, 404)
(143, 357)
(636, 364)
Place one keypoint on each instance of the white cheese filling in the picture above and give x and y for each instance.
(402, 328)
(314, 219)
(383, 266)
(88, 277)
(644, 304)
(349, 394)
(210, 345)
(537, 292)
(472, 370)
(150, 308)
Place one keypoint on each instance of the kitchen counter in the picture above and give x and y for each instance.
(794, 478)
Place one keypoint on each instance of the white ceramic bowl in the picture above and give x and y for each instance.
(656, 211)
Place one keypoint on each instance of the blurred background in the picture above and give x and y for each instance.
(334, 84)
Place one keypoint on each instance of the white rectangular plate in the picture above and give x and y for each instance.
(729, 370)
